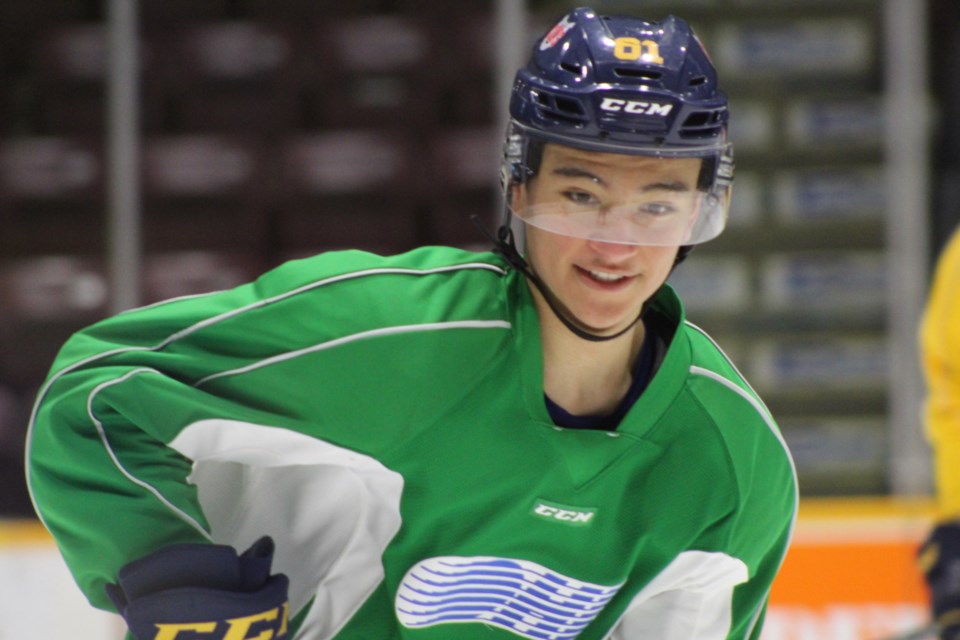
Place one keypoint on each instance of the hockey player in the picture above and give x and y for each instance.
(529, 443)
(940, 349)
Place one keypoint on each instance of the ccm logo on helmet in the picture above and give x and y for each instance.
(617, 105)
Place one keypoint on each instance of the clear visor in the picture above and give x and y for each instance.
(660, 218)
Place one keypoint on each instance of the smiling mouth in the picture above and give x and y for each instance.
(604, 277)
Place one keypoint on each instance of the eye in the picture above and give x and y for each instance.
(580, 197)
(657, 209)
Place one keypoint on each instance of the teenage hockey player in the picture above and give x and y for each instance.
(940, 349)
(526, 443)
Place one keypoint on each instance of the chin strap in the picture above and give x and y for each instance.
(505, 246)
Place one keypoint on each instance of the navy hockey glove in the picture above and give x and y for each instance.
(939, 560)
(203, 591)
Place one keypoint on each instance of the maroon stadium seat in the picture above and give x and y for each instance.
(70, 65)
(465, 163)
(306, 10)
(51, 195)
(203, 192)
(186, 273)
(239, 76)
(372, 72)
(45, 299)
(348, 189)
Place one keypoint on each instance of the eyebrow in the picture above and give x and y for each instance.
(577, 172)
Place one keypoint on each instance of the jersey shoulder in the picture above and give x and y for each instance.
(740, 420)
(356, 288)
(356, 265)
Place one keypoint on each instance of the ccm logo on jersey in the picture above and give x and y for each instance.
(637, 107)
(270, 624)
(561, 513)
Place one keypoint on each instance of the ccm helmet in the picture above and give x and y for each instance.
(626, 85)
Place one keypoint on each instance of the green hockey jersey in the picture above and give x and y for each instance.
(383, 419)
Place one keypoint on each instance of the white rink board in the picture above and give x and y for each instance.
(844, 622)
(38, 598)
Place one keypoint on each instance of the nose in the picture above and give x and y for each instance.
(612, 250)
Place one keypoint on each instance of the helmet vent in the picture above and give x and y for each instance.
(559, 108)
(639, 74)
(562, 118)
(702, 124)
(698, 80)
(569, 106)
(575, 69)
(698, 119)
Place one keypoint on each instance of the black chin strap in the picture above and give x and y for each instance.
(505, 245)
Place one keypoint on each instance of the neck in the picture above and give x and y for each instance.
(585, 377)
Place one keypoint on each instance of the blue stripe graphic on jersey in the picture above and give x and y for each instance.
(522, 597)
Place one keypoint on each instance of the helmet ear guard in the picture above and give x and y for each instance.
(521, 158)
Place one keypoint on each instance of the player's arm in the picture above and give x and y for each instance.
(718, 589)
(100, 473)
(102, 468)
(691, 599)
(108, 490)
(708, 595)
(762, 528)
(940, 350)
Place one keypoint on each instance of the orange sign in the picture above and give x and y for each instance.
(850, 572)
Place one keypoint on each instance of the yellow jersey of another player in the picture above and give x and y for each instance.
(940, 346)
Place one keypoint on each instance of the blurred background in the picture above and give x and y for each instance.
(252, 131)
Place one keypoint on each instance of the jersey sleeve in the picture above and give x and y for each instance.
(759, 530)
(761, 534)
(718, 589)
(718, 586)
(940, 356)
(100, 470)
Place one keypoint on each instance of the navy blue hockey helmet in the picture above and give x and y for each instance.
(620, 84)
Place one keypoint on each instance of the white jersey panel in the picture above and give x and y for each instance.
(331, 511)
(691, 598)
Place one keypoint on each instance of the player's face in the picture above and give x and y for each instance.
(601, 283)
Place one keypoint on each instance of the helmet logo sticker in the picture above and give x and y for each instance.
(637, 107)
(556, 34)
(633, 49)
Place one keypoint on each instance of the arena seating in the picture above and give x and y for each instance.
(269, 131)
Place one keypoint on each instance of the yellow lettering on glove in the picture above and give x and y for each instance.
(171, 631)
(237, 629)
(929, 555)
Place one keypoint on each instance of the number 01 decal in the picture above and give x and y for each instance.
(634, 49)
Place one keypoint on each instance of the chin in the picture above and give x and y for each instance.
(605, 324)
